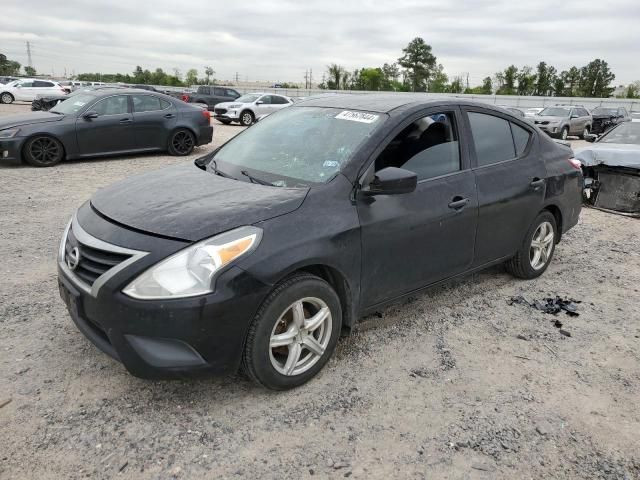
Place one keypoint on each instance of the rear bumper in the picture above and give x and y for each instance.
(205, 135)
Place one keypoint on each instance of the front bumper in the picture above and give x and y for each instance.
(224, 114)
(159, 339)
(551, 130)
(10, 148)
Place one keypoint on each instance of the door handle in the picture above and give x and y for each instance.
(537, 183)
(458, 202)
(169, 115)
(125, 120)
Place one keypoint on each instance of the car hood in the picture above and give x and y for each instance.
(603, 115)
(611, 154)
(226, 104)
(545, 118)
(187, 203)
(11, 121)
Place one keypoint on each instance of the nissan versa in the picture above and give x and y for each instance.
(261, 253)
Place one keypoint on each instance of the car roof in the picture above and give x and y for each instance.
(106, 91)
(381, 102)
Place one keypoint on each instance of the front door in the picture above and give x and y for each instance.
(111, 131)
(511, 181)
(416, 239)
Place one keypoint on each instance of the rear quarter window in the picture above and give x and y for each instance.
(492, 138)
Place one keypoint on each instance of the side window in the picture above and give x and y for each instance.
(117, 105)
(232, 93)
(164, 103)
(583, 112)
(428, 147)
(278, 100)
(266, 99)
(219, 91)
(520, 138)
(492, 138)
(41, 84)
(26, 84)
(204, 91)
(145, 103)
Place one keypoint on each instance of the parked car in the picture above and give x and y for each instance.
(564, 120)
(605, 118)
(612, 169)
(47, 102)
(5, 80)
(247, 108)
(211, 96)
(70, 85)
(26, 89)
(262, 252)
(104, 122)
(532, 112)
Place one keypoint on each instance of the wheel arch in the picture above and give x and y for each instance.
(557, 214)
(42, 134)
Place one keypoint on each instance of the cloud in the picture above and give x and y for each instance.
(279, 40)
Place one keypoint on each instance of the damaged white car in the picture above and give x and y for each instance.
(611, 168)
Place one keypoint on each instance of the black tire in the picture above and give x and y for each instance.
(586, 131)
(521, 264)
(6, 97)
(43, 151)
(225, 122)
(247, 118)
(258, 357)
(564, 133)
(181, 142)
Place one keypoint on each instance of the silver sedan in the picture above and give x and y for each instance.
(250, 106)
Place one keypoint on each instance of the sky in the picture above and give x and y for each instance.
(268, 40)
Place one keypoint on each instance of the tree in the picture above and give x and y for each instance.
(487, 87)
(208, 71)
(545, 77)
(191, 77)
(371, 79)
(439, 80)
(632, 90)
(390, 73)
(456, 86)
(419, 63)
(526, 81)
(8, 67)
(336, 74)
(507, 80)
(595, 79)
(29, 71)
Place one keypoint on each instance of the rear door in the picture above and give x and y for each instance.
(511, 179)
(154, 118)
(415, 239)
(278, 102)
(112, 131)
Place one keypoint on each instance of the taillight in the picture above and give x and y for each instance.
(575, 163)
(185, 98)
(206, 114)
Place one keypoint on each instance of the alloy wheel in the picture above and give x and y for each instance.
(246, 119)
(541, 246)
(6, 98)
(565, 133)
(300, 337)
(182, 142)
(45, 150)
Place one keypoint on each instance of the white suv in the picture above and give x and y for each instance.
(27, 89)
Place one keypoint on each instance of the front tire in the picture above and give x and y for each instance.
(181, 142)
(246, 118)
(42, 151)
(6, 97)
(536, 251)
(564, 133)
(294, 333)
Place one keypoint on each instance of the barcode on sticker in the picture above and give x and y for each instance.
(357, 116)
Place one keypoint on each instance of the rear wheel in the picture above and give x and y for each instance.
(43, 151)
(294, 333)
(536, 251)
(181, 142)
(246, 118)
(585, 132)
(6, 97)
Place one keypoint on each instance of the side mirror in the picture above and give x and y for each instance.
(90, 115)
(18, 86)
(392, 181)
(590, 137)
(259, 102)
(574, 116)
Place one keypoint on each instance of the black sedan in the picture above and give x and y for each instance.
(261, 253)
(104, 122)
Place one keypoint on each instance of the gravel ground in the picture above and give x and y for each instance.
(453, 383)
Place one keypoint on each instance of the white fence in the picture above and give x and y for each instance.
(509, 100)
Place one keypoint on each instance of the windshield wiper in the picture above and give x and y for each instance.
(256, 179)
(214, 167)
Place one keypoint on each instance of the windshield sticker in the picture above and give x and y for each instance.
(330, 164)
(79, 104)
(357, 116)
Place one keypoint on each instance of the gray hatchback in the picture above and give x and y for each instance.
(564, 120)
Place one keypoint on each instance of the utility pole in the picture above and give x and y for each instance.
(311, 78)
(306, 79)
(237, 78)
(29, 61)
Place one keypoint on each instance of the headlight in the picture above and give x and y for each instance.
(10, 133)
(191, 271)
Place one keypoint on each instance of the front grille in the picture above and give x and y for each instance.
(541, 122)
(220, 111)
(91, 262)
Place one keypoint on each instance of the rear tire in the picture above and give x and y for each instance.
(43, 151)
(181, 142)
(246, 118)
(536, 251)
(6, 97)
(293, 334)
(585, 132)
